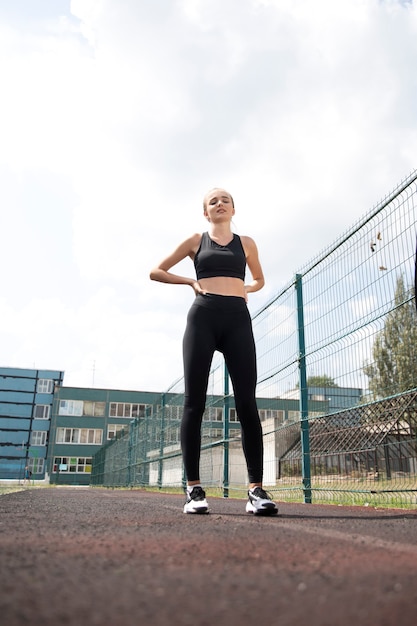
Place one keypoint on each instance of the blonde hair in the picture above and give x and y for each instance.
(214, 189)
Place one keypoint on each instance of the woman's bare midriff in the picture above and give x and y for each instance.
(223, 286)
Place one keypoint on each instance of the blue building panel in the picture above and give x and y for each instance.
(6, 424)
(42, 425)
(44, 398)
(17, 397)
(25, 397)
(15, 438)
(15, 410)
(15, 450)
(18, 372)
(49, 374)
(12, 468)
(17, 384)
(38, 451)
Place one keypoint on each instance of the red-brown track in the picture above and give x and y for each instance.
(95, 557)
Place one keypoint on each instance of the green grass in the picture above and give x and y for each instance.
(10, 489)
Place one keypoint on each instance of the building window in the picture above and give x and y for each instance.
(42, 411)
(167, 412)
(96, 409)
(113, 429)
(71, 407)
(36, 466)
(266, 414)
(45, 385)
(79, 435)
(212, 414)
(293, 416)
(172, 412)
(72, 465)
(233, 415)
(80, 407)
(217, 415)
(38, 438)
(127, 409)
(173, 435)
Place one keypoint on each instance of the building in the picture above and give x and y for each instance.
(26, 398)
(83, 420)
(338, 398)
(56, 430)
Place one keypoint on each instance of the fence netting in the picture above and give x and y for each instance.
(337, 360)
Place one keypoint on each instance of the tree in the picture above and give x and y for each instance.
(320, 381)
(394, 367)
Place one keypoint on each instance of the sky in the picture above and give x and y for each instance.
(117, 116)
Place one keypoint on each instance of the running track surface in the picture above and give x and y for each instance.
(86, 557)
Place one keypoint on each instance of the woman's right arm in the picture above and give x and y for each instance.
(161, 272)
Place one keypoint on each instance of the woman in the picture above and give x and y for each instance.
(219, 320)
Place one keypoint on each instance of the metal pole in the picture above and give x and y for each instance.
(129, 455)
(161, 446)
(305, 431)
(226, 407)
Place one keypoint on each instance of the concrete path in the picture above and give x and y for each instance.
(85, 557)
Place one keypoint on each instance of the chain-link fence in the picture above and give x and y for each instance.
(339, 341)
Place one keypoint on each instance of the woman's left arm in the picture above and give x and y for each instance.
(254, 265)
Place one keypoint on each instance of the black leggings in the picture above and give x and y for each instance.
(220, 323)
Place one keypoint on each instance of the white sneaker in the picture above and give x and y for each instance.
(260, 503)
(196, 501)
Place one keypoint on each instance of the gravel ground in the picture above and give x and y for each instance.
(83, 556)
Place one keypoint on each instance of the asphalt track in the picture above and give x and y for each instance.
(86, 557)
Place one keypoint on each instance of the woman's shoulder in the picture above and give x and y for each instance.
(195, 239)
(249, 246)
(193, 243)
(192, 240)
(247, 241)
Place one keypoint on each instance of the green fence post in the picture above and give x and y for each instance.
(161, 446)
(305, 431)
(226, 406)
(145, 431)
(129, 476)
(142, 437)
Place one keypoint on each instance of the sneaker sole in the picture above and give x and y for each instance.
(264, 512)
(201, 511)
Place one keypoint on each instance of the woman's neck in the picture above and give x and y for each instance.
(221, 232)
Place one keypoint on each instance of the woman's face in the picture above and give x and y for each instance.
(218, 205)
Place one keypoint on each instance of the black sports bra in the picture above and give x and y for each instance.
(214, 260)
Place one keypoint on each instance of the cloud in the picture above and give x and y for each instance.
(117, 117)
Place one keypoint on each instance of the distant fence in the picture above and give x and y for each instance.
(343, 332)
